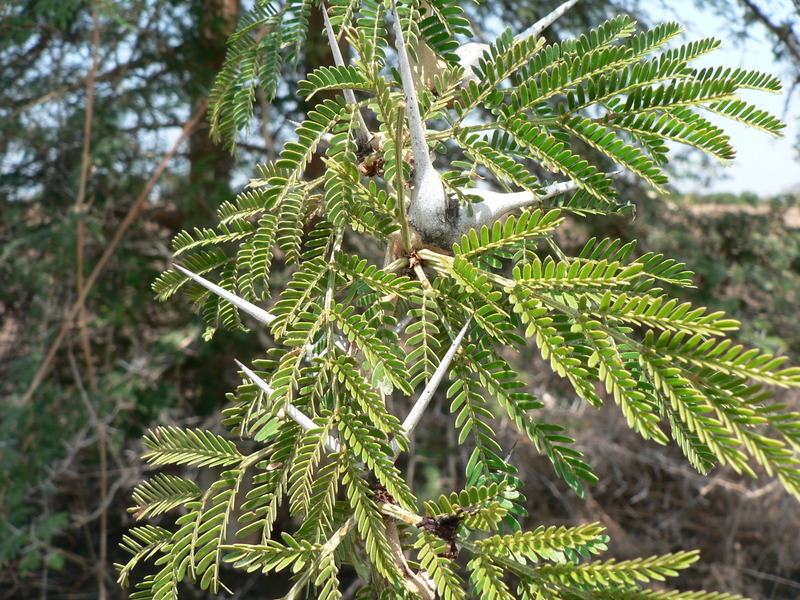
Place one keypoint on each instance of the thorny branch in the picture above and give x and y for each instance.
(440, 219)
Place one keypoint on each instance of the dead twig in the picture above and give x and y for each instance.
(188, 129)
(80, 202)
(102, 435)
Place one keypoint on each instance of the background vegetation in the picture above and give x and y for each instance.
(133, 75)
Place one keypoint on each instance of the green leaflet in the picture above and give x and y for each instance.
(268, 34)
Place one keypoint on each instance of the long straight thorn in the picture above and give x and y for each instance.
(295, 414)
(422, 159)
(362, 133)
(428, 209)
(413, 418)
(251, 309)
(546, 21)
(494, 205)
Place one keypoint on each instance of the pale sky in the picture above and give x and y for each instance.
(763, 165)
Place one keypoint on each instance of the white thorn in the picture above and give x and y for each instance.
(362, 133)
(470, 53)
(424, 399)
(494, 205)
(422, 159)
(404, 322)
(251, 309)
(556, 189)
(545, 22)
(332, 444)
(429, 201)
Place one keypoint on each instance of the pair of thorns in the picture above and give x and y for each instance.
(438, 217)
(427, 208)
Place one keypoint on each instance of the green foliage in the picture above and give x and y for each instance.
(270, 33)
(318, 408)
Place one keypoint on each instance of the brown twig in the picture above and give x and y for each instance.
(100, 426)
(770, 577)
(126, 223)
(80, 204)
(115, 73)
(269, 141)
(783, 32)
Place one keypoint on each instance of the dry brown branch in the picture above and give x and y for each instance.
(81, 208)
(100, 426)
(188, 129)
(115, 73)
(784, 31)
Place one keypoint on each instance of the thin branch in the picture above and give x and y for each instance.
(362, 133)
(418, 585)
(80, 211)
(398, 513)
(784, 32)
(116, 72)
(413, 418)
(251, 309)
(188, 129)
(402, 324)
(100, 426)
(269, 141)
(772, 577)
(332, 444)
